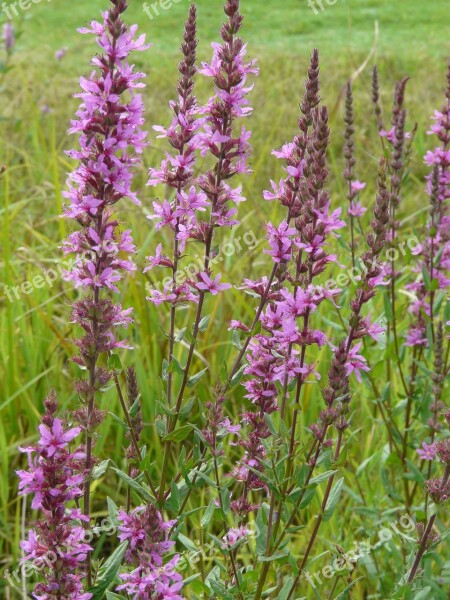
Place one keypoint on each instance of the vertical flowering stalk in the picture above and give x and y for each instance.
(263, 366)
(56, 546)
(108, 123)
(177, 172)
(438, 488)
(279, 354)
(229, 151)
(428, 451)
(434, 253)
(346, 356)
(355, 209)
(287, 193)
(133, 454)
(9, 43)
(347, 360)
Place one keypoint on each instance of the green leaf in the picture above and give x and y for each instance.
(114, 363)
(308, 497)
(134, 485)
(261, 535)
(113, 596)
(423, 594)
(203, 325)
(180, 335)
(206, 518)
(165, 367)
(343, 594)
(134, 409)
(175, 367)
(112, 511)
(225, 497)
(333, 499)
(320, 478)
(237, 376)
(285, 591)
(187, 543)
(119, 421)
(108, 571)
(193, 380)
(174, 502)
(278, 556)
(178, 435)
(237, 340)
(187, 408)
(100, 469)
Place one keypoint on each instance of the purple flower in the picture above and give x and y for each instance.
(109, 124)
(60, 54)
(147, 534)
(434, 251)
(427, 452)
(54, 438)
(9, 39)
(280, 241)
(54, 479)
(356, 209)
(235, 536)
(206, 284)
(357, 186)
(356, 363)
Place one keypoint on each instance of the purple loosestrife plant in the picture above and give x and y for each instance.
(241, 491)
(433, 266)
(147, 535)
(355, 209)
(282, 355)
(212, 131)
(437, 488)
(109, 124)
(347, 360)
(56, 545)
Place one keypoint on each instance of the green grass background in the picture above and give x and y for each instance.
(34, 331)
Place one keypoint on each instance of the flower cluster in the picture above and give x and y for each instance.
(109, 123)
(433, 266)
(346, 359)
(277, 356)
(207, 130)
(147, 535)
(236, 536)
(355, 209)
(54, 479)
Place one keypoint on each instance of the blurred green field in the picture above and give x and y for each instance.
(36, 106)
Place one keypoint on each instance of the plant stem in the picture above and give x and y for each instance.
(426, 534)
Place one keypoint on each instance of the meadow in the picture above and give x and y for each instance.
(403, 38)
